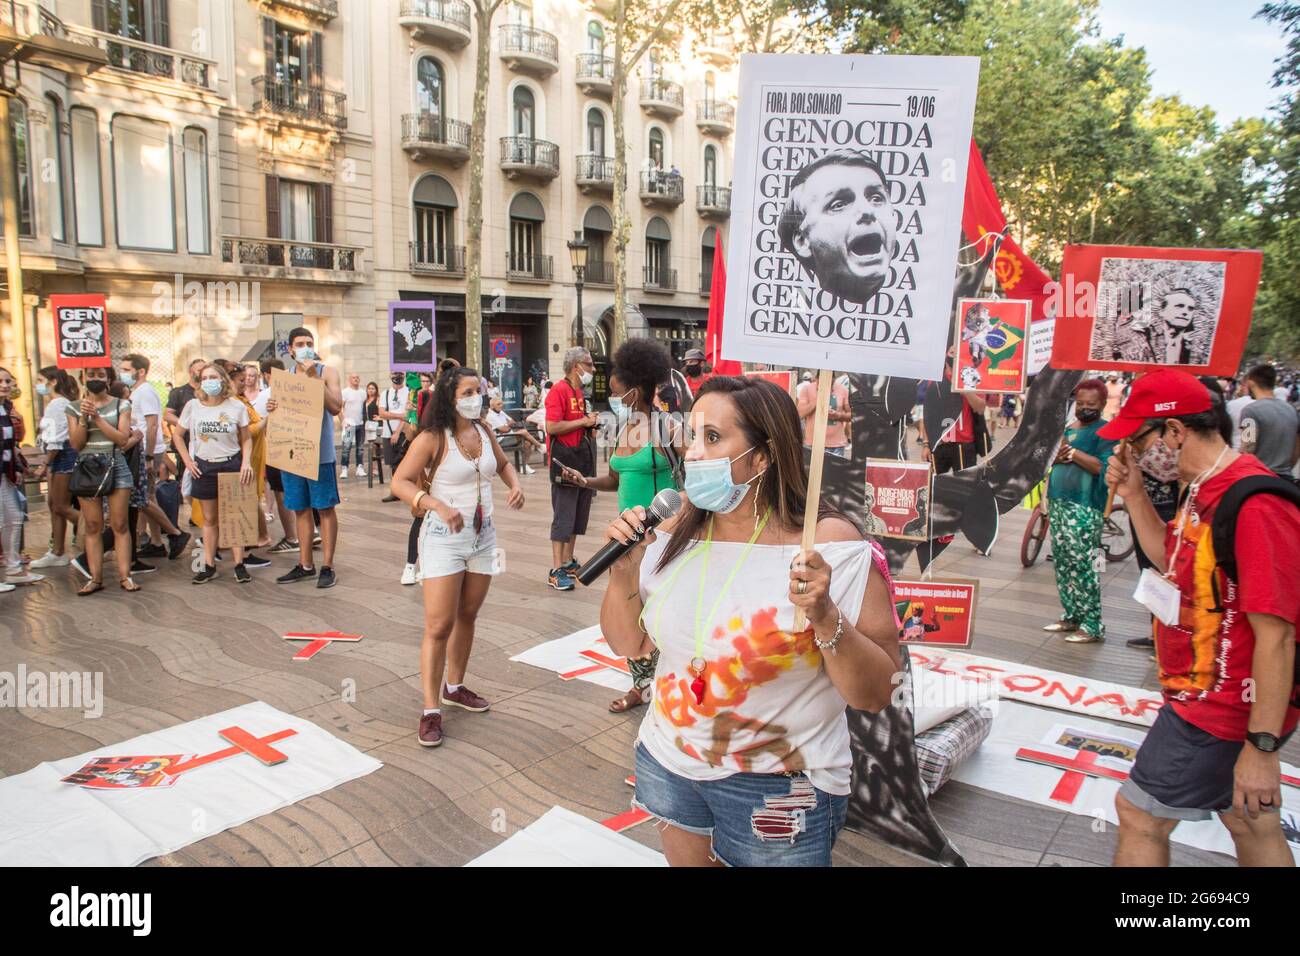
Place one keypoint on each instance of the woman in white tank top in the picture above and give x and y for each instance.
(458, 542)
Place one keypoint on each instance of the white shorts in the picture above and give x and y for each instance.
(443, 553)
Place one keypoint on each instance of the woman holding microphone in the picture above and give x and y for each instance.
(446, 477)
(744, 754)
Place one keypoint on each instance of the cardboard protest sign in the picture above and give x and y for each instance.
(1041, 336)
(898, 496)
(937, 613)
(80, 331)
(236, 511)
(1135, 308)
(846, 210)
(781, 378)
(990, 345)
(411, 337)
(293, 435)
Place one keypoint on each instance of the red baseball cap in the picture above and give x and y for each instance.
(1167, 393)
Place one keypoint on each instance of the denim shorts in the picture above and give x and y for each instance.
(443, 553)
(63, 460)
(729, 810)
(122, 477)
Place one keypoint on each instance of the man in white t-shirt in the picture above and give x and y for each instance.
(147, 418)
(1235, 408)
(352, 423)
(392, 413)
(504, 425)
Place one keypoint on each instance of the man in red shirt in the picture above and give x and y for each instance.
(568, 442)
(693, 367)
(1227, 662)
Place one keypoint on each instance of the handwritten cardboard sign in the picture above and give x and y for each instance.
(293, 435)
(236, 511)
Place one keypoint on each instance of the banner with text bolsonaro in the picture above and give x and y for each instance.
(846, 213)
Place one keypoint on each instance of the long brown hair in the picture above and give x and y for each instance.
(770, 421)
(63, 383)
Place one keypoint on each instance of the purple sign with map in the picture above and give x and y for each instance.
(411, 340)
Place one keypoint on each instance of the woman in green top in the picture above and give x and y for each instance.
(101, 425)
(1076, 499)
(639, 469)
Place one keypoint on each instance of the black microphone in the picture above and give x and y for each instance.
(666, 504)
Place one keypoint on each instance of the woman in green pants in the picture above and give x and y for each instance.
(1076, 498)
(639, 468)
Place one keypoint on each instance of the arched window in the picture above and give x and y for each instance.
(524, 112)
(197, 232)
(710, 90)
(657, 238)
(87, 189)
(22, 164)
(708, 242)
(526, 218)
(595, 37)
(595, 132)
(433, 218)
(54, 153)
(430, 86)
(656, 153)
(710, 166)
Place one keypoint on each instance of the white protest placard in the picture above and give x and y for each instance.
(846, 210)
(1041, 335)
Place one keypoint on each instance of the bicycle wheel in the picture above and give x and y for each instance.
(1117, 536)
(1035, 535)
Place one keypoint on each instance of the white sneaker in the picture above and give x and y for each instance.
(6, 587)
(51, 560)
(24, 578)
(343, 472)
(529, 470)
(408, 574)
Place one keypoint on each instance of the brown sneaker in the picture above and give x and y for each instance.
(465, 698)
(430, 730)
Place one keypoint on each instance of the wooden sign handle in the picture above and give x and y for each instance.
(1110, 495)
(813, 501)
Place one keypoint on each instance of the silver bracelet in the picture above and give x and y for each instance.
(830, 645)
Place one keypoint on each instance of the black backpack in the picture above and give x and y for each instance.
(1223, 535)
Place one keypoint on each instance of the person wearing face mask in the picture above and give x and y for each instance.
(305, 496)
(12, 470)
(101, 425)
(1076, 498)
(641, 465)
(60, 391)
(392, 413)
(693, 369)
(569, 442)
(446, 478)
(747, 711)
(1225, 612)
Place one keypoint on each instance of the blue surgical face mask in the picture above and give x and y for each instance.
(622, 412)
(42, 388)
(126, 378)
(211, 386)
(709, 487)
(303, 353)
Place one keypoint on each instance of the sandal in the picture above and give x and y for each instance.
(1082, 636)
(130, 585)
(1061, 627)
(629, 701)
(90, 587)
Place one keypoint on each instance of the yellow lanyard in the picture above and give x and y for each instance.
(702, 551)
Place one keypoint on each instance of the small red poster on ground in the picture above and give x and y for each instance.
(1135, 308)
(127, 773)
(897, 502)
(990, 342)
(937, 613)
(80, 331)
(781, 378)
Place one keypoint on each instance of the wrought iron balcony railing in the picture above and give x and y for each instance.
(446, 260)
(298, 101)
(289, 253)
(520, 266)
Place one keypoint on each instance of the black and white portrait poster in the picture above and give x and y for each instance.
(846, 210)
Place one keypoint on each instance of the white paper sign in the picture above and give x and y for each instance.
(846, 210)
(1041, 335)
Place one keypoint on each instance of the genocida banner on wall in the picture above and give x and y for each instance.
(846, 210)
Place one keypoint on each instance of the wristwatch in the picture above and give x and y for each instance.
(1264, 743)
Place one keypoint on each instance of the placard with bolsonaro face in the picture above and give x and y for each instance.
(846, 210)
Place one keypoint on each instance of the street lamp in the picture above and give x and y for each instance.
(578, 247)
(57, 54)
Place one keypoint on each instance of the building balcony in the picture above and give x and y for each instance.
(595, 173)
(662, 97)
(661, 189)
(300, 104)
(293, 259)
(430, 259)
(595, 74)
(529, 49)
(136, 56)
(524, 156)
(718, 50)
(438, 21)
(713, 201)
(598, 272)
(529, 268)
(429, 136)
(714, 117)
(322, 11)
(606, 8)
(659, 279)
